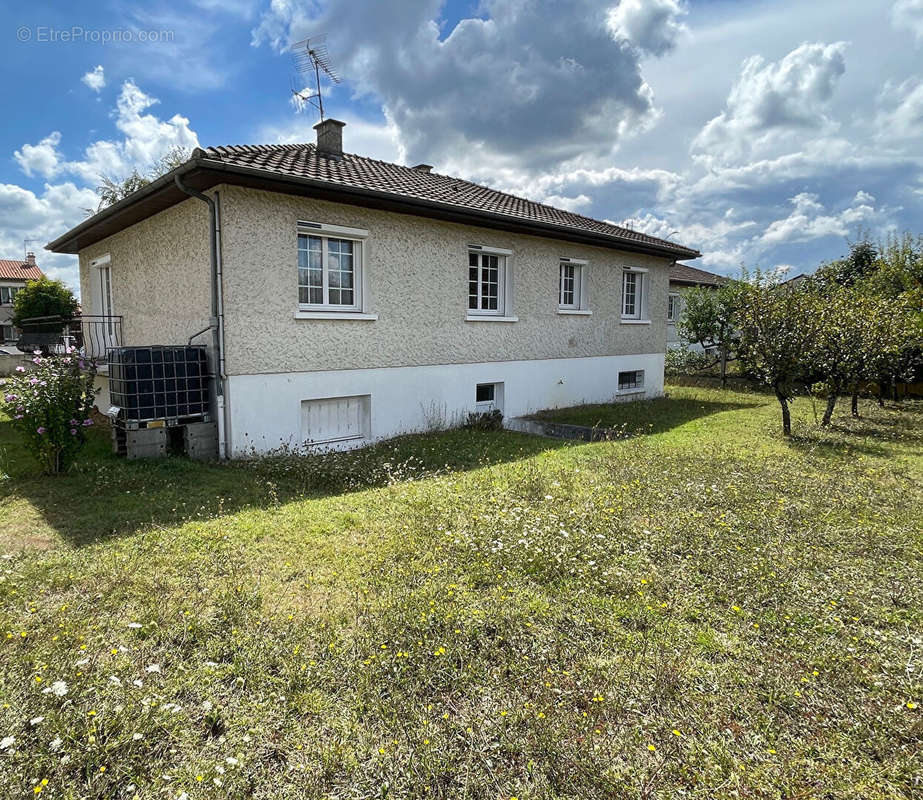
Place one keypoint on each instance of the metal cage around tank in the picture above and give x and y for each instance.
(158, 385)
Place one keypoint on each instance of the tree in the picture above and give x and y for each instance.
(44, 298)
(778, 326)
(111, 190)
(710, 319)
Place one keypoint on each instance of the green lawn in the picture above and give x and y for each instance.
(705, 610)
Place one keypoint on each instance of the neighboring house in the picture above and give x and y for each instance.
(351, 299)
(13, 277)
(682, 278)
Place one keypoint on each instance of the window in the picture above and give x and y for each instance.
(7, 333)
(489, 284)
(634, 295)
(485, 283)
(7, 293)
(632, 379)
(330, 267)
(673, 307)
(488, 396)
(571, 285)
(336, 419)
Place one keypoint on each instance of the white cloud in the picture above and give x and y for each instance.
(908, 15)
(809, 220)
(652, 26)
(775, 103)
(902, 115)
(578, 203)
(42, 158)
(95, 78)
(146, 139)
(503, 92)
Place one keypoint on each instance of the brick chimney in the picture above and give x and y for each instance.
(30, 259)
(330, 137)
(423, 168)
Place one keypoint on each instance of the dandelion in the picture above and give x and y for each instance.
(911, 705)
(676, 732)
(652, 748)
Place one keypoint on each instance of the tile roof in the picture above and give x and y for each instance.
(683, 273)
(18, 271)
(353, 171)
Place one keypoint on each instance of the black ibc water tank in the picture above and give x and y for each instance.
(159, 382)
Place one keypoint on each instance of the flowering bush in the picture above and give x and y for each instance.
(50, 405)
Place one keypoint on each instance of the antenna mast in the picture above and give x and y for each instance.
(311, 56)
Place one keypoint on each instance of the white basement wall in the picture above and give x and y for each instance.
(267, 411)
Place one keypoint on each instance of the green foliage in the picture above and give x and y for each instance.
(44, 298)
(524, 623)
(111, 190)
(778, 327)
(710, 315)
(485, 420)
(684, 361)
(50, 404)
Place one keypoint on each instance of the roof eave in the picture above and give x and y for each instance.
(69, 242)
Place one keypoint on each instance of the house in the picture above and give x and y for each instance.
(13, 277)
(345, 299)
(682, 278)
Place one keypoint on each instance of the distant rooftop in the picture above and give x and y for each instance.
(19, 270)
(684, 273)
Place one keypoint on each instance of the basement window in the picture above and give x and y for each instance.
(631, 380)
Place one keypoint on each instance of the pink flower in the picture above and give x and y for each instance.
(39, 430)
(73, 431)
(20, 368)
(87, 423)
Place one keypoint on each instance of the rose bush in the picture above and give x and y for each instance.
(50, 404)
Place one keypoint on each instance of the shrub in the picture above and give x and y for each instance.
(485, 420)
(44, 298)
(50, 404)
(687, 362)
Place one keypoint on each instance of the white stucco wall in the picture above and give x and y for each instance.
(416, 279)
(266, 409)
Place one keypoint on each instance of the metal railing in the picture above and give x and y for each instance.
(89, 334)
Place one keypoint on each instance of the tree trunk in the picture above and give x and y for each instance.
(881, 399)
(855, 404)
(786, 414)
(828, 413)
(724, 366)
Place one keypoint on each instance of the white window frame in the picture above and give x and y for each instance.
(326, 310)
(639, 389)
(579, 304)
(504, 310)
(103, 264)
(10, 292)
(673, 301)
(496, 402)
(639, 314)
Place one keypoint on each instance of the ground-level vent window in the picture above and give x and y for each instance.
(631, 379)
(485, 393)
(335, 419)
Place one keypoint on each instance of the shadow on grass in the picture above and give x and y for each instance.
(657, 415)
(105, 496)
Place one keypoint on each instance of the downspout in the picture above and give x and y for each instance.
(216, 322)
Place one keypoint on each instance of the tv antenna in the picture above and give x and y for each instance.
(311, 58)
(25, 246)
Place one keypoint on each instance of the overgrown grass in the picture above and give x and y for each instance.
(705, 611)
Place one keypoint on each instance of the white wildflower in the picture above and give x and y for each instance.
(115, 680)
(207, 705)
(55, 743)
(82, 662)
(58, 689)
(137, 737)
(152, 668)
(232, 761)
(134, 625)
(7, 742)
(137, 682)
(36, 721)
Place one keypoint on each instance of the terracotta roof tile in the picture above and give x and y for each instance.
(683, 273)
(304, 161)
(18, 271)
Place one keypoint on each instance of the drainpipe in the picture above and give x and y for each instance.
(216, 323)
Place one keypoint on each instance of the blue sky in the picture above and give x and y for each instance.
(766, 134)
